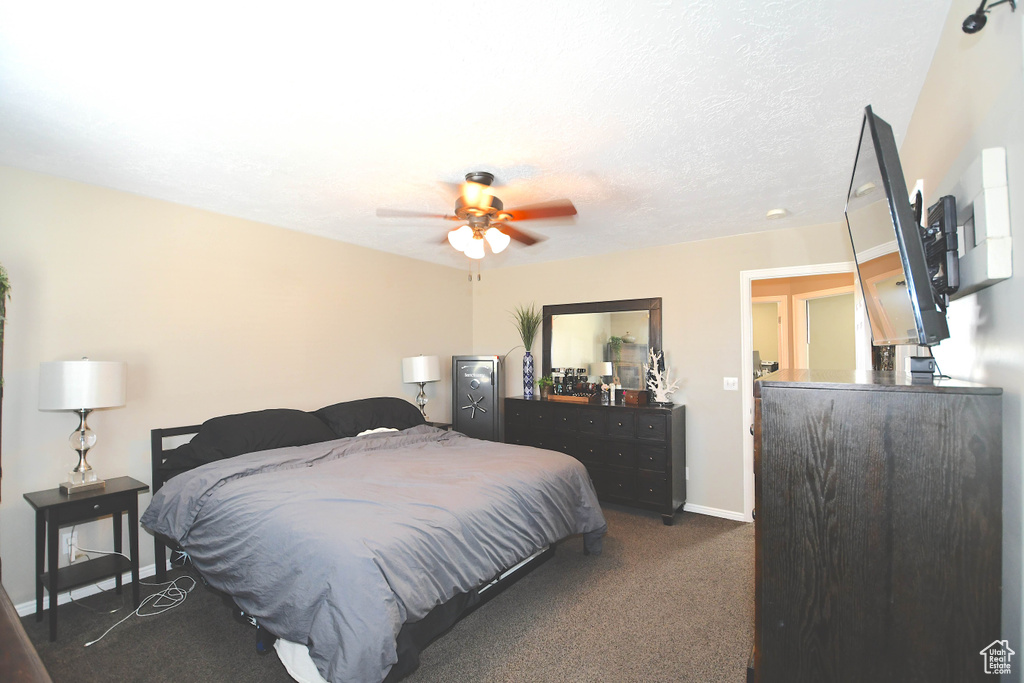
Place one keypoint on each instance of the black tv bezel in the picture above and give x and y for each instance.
(930, 322)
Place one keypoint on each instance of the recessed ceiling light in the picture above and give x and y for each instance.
(776, 214)
(866, 188)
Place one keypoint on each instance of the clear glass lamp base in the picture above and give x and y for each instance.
(79, 482)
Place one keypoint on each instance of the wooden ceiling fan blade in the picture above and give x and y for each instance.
(553, 209)
(400, 213)
(518, 235)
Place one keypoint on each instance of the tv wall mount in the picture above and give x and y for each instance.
(976, 21)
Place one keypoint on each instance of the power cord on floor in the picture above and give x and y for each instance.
(78, 602)
(158, 602)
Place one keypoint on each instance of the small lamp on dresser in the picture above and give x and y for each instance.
(81, 386)
(420, 370)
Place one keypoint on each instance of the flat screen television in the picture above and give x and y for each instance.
(906, 271)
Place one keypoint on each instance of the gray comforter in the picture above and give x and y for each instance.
(338, 544)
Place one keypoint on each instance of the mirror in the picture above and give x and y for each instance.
(586, 335)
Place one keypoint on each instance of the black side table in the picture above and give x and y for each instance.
(55, 510)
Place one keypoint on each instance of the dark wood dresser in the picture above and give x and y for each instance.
(878, 527)
(635, 455)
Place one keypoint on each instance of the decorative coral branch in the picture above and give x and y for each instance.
(659, 383)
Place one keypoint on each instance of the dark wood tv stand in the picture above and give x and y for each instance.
(878, 528)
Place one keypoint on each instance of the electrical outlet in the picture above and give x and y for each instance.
(687, 474)
(730, 383)
(69, 544)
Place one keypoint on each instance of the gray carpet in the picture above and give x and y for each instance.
(660, 604)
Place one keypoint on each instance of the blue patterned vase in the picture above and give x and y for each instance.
(528, 375)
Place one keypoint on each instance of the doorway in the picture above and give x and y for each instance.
(789, 285)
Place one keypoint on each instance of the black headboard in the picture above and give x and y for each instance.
(158, 453)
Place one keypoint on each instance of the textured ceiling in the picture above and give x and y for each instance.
(663, 121)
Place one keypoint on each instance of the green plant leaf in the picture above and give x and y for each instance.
(527, 321)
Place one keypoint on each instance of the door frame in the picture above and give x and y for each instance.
(782, 303)
(747, 353)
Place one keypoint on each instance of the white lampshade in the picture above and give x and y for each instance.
(497, 239)
(421, 369)
(461, 237)
(81, 384)
(601, 369)
(475, 248)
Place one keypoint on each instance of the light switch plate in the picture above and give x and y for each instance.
(730, 384)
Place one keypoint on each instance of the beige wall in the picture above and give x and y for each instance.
(699, 284)
(972, 99)
(830, 344)
(212, 314)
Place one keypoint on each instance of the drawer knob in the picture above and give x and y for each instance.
(650, 426)
(620, 424)
(96, 506)
(591, 422)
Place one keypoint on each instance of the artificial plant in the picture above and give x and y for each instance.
(527, 322)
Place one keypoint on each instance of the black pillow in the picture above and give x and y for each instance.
(352, 417)
(231, 435)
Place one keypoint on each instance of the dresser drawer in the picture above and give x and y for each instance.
(652, 426)
(541, 438)
(649, 457)
(588, 450)
(564, 418)
(619, 453)
(562, 442)
(592, 421)
(622, 425)
(533, 414)
(615, 483)
(516, 435)
(652, 487)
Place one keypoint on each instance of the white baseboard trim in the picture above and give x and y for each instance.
(715, 512)
(26, 608)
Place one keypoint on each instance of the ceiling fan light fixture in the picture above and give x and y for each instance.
(497, 239)
(475, 248)
(461, 237)
(476, 195)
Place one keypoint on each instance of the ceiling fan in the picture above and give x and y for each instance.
(486, 218)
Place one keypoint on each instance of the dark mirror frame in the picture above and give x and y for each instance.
(652, 306)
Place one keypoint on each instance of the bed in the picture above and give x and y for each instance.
(357, 533)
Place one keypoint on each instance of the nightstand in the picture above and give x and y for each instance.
(55, 510)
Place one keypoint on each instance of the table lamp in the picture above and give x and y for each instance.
(420, 370)
(601, 369)
(81, 386)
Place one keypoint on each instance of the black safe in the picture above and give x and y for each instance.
(476, 397)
